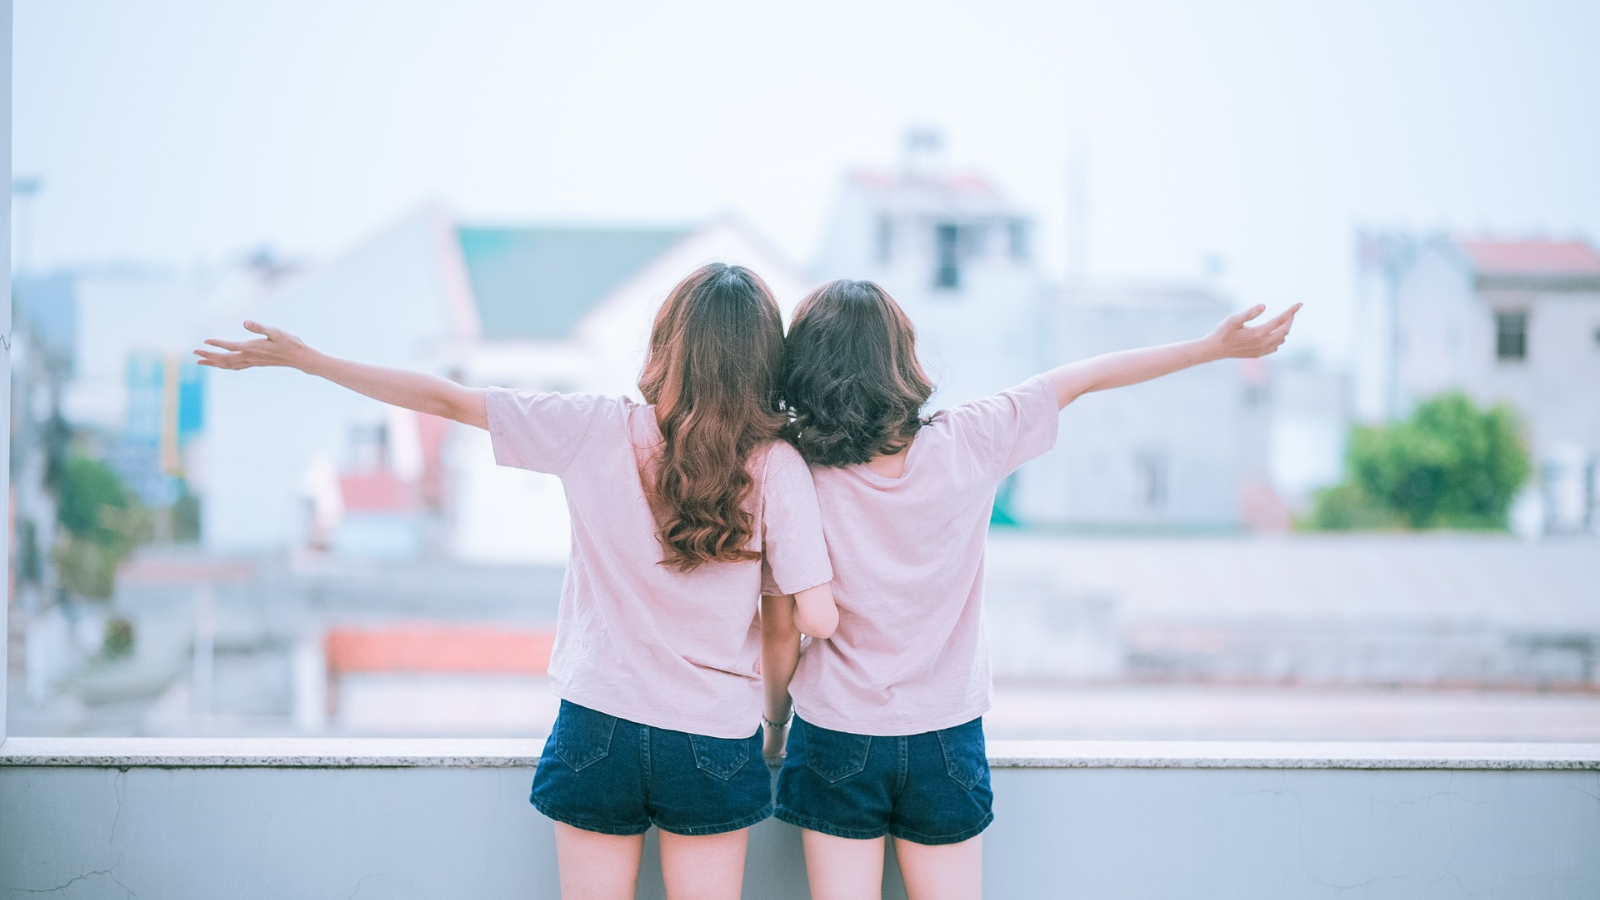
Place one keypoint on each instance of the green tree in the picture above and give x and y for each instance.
(1451, 465)
(89, 488)
(102, 522)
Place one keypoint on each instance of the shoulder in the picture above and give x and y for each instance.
(553, 402)
(779, 463)
(783, 453)
(1032, 397)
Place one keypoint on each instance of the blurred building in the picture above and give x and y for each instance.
(955, 253)
(1503, 320)
(1186, 452)
(292, 460)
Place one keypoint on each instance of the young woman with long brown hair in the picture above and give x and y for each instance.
(888, 733)
(685, 510)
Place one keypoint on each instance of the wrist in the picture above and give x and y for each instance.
(779, 722)
(1210, 349)
(308, 361)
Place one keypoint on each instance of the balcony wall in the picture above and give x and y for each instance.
(394, 819)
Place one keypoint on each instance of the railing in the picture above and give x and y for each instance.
(365, 818)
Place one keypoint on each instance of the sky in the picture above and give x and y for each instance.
(185, 132)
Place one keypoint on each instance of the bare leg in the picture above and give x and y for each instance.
(843, 868)
(597, 866)
(943, 871)
(704, 867)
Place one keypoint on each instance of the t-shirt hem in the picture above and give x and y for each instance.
(723, 728)
(493, 398)
(801, 584)
(898, 727)
(1049, 408)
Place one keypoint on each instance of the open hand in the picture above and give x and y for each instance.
(276, 348)
(1233, 339)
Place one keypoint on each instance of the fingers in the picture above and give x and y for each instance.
(226, 345)
(220, 360)
(257, 327)
(1239, 318)
(1285, 317)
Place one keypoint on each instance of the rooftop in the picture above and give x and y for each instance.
(1532, 257)
(910, 191)
(538, 283)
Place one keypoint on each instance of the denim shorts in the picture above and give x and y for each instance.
(601, 773)
(929, 788)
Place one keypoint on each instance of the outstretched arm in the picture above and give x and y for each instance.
(1232, 339)
(399, 387)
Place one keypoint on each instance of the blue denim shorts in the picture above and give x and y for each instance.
(930, 788)
(601, 773)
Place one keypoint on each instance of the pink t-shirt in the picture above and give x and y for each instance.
(634, 638)
(909, 655)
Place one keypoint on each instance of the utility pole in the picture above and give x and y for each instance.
(23, 190)
(1077, 206)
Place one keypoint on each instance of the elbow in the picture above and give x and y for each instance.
(820, 625)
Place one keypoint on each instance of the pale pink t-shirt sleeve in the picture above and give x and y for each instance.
(1008, 429)
(794, 555)
(540, 432)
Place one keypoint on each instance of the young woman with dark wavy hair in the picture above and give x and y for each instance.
(686, 509)
(888, 731)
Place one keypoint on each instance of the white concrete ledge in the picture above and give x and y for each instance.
(484, 753)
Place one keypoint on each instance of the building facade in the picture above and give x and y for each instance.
(292, 461)
(1180, 453)
(1514, 321)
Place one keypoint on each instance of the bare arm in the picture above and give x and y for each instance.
(780, 653)
(399, 387)
(1231, 339)
(815, 612)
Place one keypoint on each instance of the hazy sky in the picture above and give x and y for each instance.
(182, 131)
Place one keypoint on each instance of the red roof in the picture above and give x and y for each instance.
(959, 182)
(1532, 257)
(379, 491)
(432, 648)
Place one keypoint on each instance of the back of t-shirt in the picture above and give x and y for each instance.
(635, 638)
(909, 654)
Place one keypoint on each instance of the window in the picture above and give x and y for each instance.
(1150, 471)
(974, 241)
(1019, 240)
(885, 238)
(947, 271)
(1511, 335)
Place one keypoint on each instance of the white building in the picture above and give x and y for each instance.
(1503, 320)
(1181, 453)
(539, 308)
(956, 254)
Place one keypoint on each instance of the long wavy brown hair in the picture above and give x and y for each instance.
(851, 378)
(716, 352)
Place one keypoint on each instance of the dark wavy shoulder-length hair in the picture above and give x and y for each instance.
(851, 379)
(716, 353)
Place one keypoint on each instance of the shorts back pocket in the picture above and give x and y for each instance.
(834, 755)
(721, 758)
(583, 735)
(966, 759)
